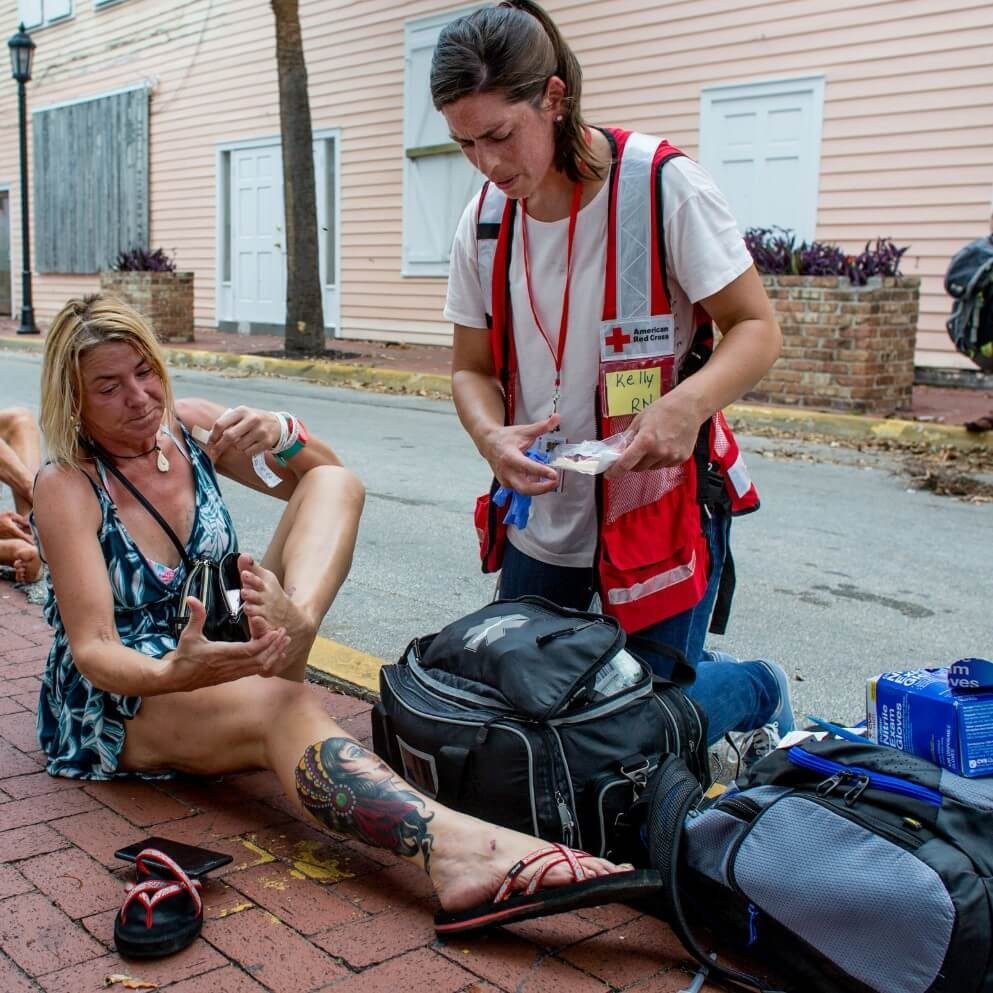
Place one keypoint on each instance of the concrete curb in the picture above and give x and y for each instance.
(745, 417)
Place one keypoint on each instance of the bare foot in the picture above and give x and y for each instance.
(266, 601)
(477, 857)
(24, 558)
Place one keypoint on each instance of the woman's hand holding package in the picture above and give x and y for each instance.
(663, 435)
(197, 662)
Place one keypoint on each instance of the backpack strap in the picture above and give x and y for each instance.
(672, 793)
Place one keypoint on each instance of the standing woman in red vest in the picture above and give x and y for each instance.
(585, 280)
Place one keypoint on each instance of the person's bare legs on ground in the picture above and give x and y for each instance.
(20, 454)
(280, 725)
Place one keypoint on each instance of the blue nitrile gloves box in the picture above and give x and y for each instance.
(971, 676)
(917, 712)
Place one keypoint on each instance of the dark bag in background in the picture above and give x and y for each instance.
(523, 714)
(209, 580)
(846, 866)
(969, 280)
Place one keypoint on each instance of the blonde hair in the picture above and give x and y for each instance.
(83, 324)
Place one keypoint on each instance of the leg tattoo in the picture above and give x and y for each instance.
(348, 788)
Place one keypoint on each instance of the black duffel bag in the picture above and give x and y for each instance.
(510, 715)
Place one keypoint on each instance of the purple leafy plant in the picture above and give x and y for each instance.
(142, 260)
(776, 252)
(881, 259)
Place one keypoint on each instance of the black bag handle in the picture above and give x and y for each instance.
(683, 674)
(106, 460)
(674, 790)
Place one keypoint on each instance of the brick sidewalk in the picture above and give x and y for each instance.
(296, 911)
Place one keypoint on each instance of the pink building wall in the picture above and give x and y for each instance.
(906, 152)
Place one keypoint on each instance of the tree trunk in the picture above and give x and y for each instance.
(304, 303)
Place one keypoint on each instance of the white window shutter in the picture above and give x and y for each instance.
(30, 11)
(438, 186)
(423, 124)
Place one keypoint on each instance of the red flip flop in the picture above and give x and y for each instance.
(162, 913)
(512, 903)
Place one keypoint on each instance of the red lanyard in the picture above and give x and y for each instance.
(557, 354)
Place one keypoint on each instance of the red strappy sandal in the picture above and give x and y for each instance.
(162, 913)
(512, 903)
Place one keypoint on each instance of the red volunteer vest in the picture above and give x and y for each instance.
(652, 559)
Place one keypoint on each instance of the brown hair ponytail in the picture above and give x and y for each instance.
(514, 49)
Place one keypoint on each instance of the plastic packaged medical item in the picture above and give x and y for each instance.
(591, 457)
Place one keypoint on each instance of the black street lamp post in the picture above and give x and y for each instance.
(21, 54)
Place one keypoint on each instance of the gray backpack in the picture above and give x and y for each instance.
(969, 280)
(845, 866)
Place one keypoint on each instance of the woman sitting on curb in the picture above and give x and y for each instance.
(121, 694)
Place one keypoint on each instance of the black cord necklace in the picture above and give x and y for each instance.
(161, 463)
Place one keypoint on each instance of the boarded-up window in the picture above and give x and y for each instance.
(90, 181)
(438, 181)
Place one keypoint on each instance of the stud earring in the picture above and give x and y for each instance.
(558, 120)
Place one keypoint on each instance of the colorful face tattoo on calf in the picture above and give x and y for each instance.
(346, 787)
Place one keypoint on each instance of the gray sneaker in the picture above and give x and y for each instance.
(738, 751)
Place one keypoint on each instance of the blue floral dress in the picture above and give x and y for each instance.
(82, 728)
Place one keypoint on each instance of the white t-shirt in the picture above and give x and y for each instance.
(704, 251)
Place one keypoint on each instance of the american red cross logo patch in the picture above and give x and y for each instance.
(637, 338)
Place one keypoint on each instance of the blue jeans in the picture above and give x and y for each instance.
(736, 696)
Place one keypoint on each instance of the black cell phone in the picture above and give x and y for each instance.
(192, 860)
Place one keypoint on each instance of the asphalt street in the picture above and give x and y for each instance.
(844, 572)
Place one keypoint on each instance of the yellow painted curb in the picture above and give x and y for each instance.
(315, 371)
(345, 667)
(856, 426)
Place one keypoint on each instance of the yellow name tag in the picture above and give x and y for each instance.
(631, 391)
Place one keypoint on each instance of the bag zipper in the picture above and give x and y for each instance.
(902, 839)
(565, 819)
(560, 800)
(838, 773)
(616, 702)
(742, 807)
(675, 746)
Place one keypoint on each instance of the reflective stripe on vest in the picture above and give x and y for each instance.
(635, 250)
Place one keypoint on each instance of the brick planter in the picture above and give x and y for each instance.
(164, 299)
(845, 347)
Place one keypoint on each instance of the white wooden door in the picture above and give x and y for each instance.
(258, 270)
(761, 143)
